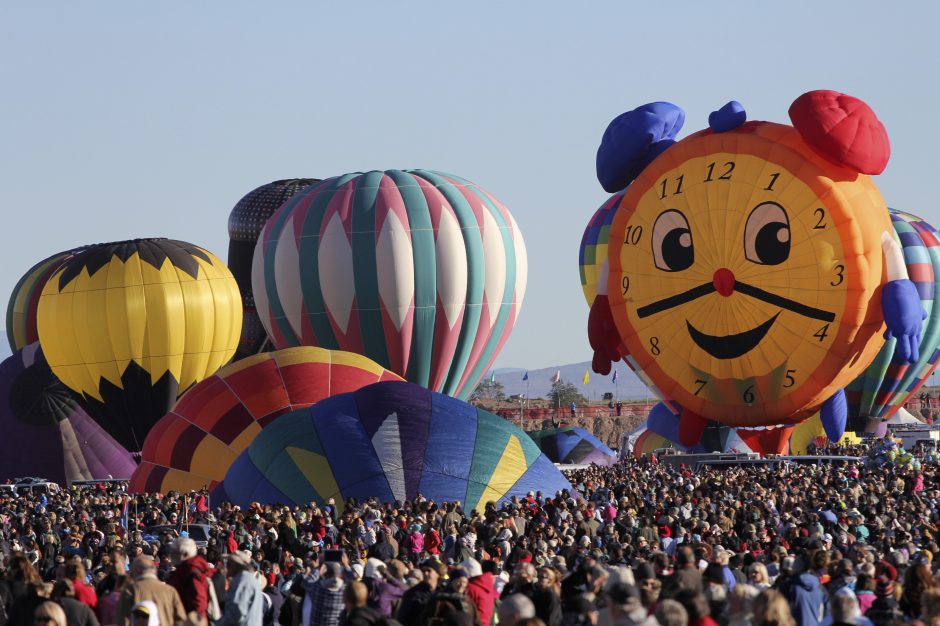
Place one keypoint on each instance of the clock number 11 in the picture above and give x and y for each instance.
(662, 193)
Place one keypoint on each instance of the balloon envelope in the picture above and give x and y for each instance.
(24, 301)
(45, 431)
(422, 272)
(573, 445)
(193, 445)
(391, 440)
(593, 251)
(886, 385)
(129, 325)
(245, 223)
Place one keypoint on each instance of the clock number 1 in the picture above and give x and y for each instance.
(773, 179)
(678, 190)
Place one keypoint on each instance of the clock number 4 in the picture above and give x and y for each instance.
(662, 191)
(822, 333)
(726, 175)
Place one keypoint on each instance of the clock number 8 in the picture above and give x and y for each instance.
(654, 346)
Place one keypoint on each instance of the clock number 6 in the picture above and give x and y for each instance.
(840, 278)
(654, 346)
(748, 395)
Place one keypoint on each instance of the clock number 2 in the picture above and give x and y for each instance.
(840, 276)
(662, 191)
(820, 216)
(654, 346)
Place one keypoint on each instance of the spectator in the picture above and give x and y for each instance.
(772, 609)
(76, 613)
(355, 597)
(49, 614)
(515, 608)
(145, 586)
(190, 577)
(326, 596)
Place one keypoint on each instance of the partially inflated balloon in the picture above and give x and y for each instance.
(421, 271)
(393, 441)
(24, 301)
(45, 432)
(245, 223)
(887, 383)
(573, 445)
(593, 251)
(195, 443)
(130, 325)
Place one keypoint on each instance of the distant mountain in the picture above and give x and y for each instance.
(628, 386)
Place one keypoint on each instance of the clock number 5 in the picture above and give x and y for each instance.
(840, 276)
(790, 380)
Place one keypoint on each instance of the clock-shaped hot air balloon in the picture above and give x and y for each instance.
(752, 267)
(131, 325)
(422, 272)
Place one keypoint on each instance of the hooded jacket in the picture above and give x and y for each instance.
(191, 581)
(807, 599)
(482, 593)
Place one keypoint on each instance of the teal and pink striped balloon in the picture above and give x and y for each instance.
(886, 385)
(421, 271)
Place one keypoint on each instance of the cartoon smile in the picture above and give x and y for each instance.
(730, 346)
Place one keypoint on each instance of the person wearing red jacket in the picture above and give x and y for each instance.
(432, 541)
(75, 571)
(190, 576)
(481, 590)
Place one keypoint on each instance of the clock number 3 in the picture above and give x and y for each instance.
(840, 276)
(654, 346)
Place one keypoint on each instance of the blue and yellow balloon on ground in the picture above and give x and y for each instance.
(392, 441)
(131, 325)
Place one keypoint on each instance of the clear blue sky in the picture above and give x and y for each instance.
(133, 119)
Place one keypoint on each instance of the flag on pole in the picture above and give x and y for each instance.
(493, 376)
(526, 377)
(614, 379)
(124, 513)
(557, 377)
(587, 377)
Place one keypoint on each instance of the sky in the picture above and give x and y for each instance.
(128, 119)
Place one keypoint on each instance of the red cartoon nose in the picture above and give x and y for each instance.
(724, 282)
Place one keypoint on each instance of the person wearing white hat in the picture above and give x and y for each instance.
(244, 602)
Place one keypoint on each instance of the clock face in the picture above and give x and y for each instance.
(742, 275)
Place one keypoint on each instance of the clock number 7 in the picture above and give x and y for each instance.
(662, 193)
(701, 385)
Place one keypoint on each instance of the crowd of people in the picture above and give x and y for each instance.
(637, 544)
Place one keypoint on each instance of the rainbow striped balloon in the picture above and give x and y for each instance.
(422, 272)
(886, 385)
(593, 251)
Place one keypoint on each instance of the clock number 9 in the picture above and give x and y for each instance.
(626, 284)
(633, 236)
(840, 276)
(654, 346)
(748, 395)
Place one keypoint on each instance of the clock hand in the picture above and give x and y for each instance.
(673, 301)
(784, 303)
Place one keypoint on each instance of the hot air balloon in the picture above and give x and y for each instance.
(45, 432)
(391, 440)
(24, 301)
(888, 382)
(131, 325)
(195, 443)
(422, 272)
(245, 223)
(646, 442)
(573, 445)
(593, 251)
(752, 268)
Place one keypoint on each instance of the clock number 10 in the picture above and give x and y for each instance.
(633, 235)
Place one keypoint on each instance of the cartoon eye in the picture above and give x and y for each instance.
(672, 242)
(767, 234)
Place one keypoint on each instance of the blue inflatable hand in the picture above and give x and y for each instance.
(834, 415)
(904, 317)
(727, 117)
(633, 139)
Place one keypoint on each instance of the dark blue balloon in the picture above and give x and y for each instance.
(904, 317)
(633, 139)
(834, 414)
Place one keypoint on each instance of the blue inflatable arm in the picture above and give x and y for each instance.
(904, 317)
(633, 139)
(834, 414)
